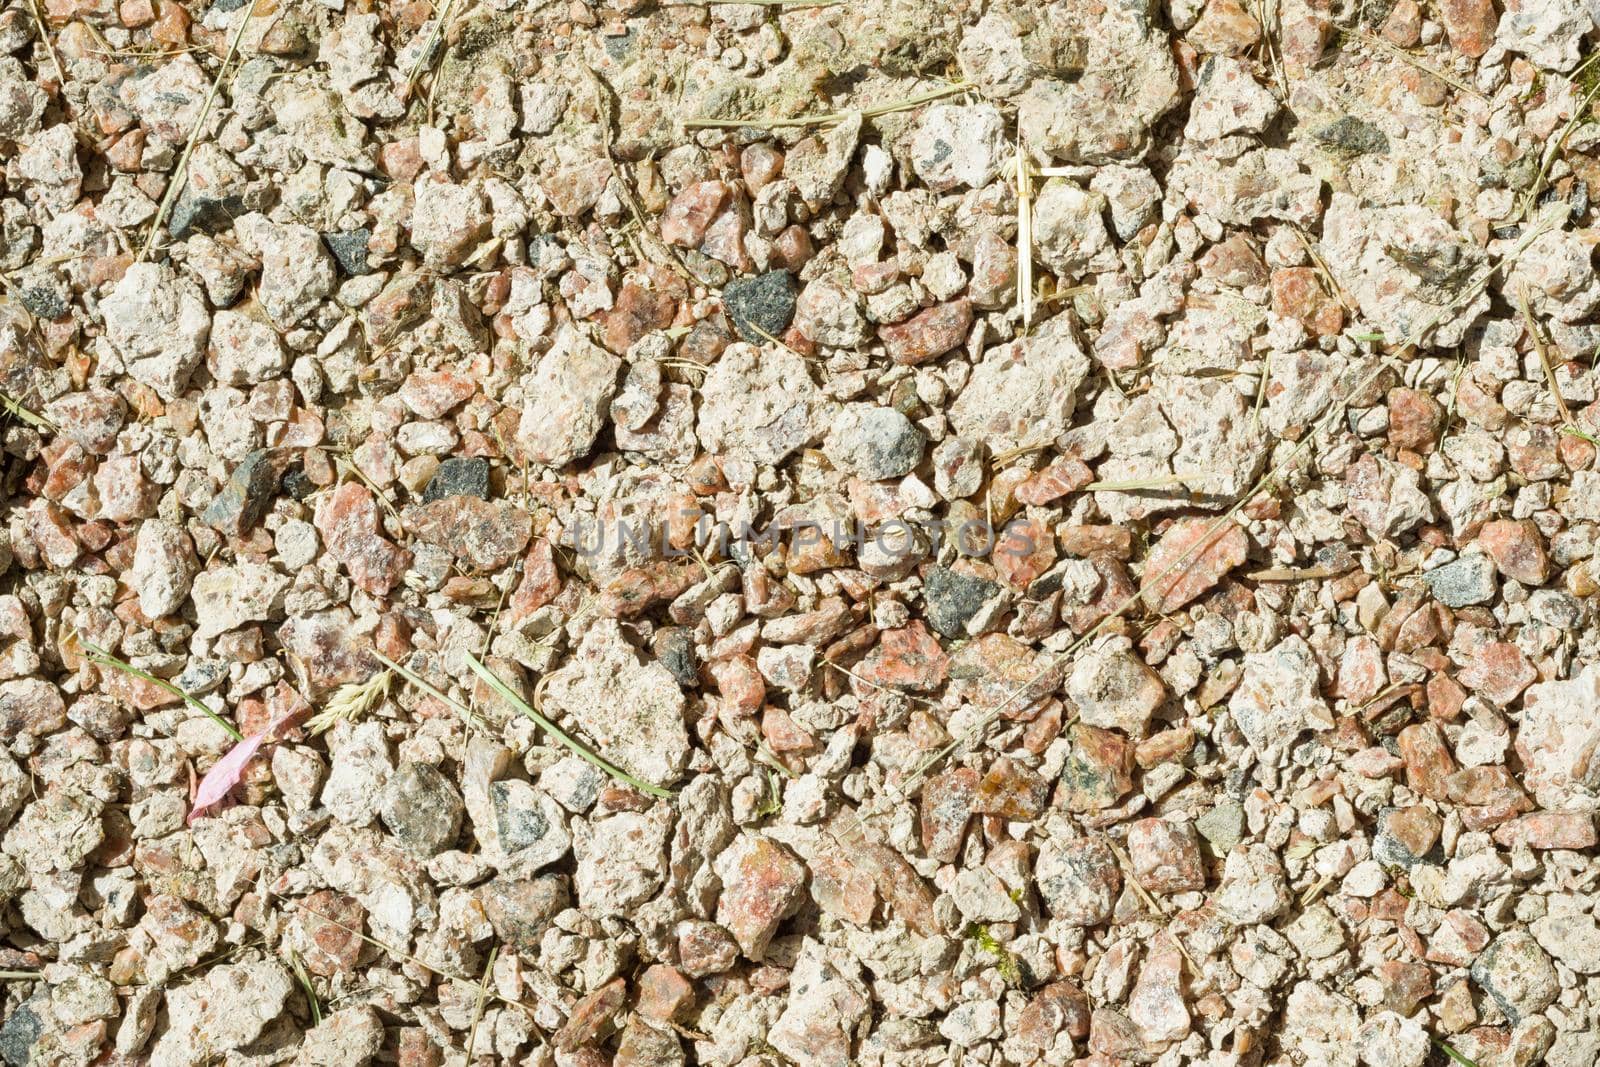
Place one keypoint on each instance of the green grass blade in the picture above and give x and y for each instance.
(1452, 1053)
(97, 655)
(558, 733)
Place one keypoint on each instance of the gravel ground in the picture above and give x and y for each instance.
(863, 533)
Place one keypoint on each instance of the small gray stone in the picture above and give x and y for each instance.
(674, 648)
(195, 212)
(765, 302)
(531, 827)
(874, 442)
(244, 500)
(421, 809)
(350, 250)
(1517, 975)
(459, 477)
(1468, 580)
(953, 598)
(1222, 826)
(1351, 136)
(42, 301)
(18, 1036)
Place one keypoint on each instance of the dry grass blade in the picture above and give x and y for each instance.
(351, 701)
(1406, 57)
(1537, 341)
(100, 657)
(421, 683)
(1560, 142)
(1024, 238)
(432, 46)
(1136, 485)
(483, 996)
(50, 46)
(20, 976)
(180, 172)
(759, 3)
(830, 117)
(565, 739)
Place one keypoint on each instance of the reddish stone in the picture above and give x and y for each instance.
(1298, 294)
(690, 213)
(1498, 671)
(1189, 560)
(1428, 760)
(928, 333)
(792, 249)
(1024, 551)
(1168, 746)
(704, 948)
(1445, 697)
(783, 734)
(591, 1018)
(1234, 263)
(1458, 939)
(540, 583)
(348, 521)
(1060, 1007)
(433, 394)
(1405, 985)
(414, 1048)
(485, 535)
(1166, 856)
(1065, 475)
(1225, 28)
(328, 947)
(1414, 420)
(843, 888)
(761, 884)
(1549, 829)
(947, 806)
(51, 530)
(1415, 828)
(870, 279)
(1011, 791)
(638, 310)
(1517, 548)
(1361, 671)
(1098, 771)
(1470, 24)
(1535, 452)
(1489, 795)
(1403, 29)
(759, 164)
(909, 659)
(1113, 541)
(739, 683)
(998, 671)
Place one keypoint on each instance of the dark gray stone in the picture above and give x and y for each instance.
(1353, 137)
(765, 301)
(953, 598)
(18, 1036)
(422, 809)
(350, 249)
(458, 477)
(1460, 583)
(674, 647)
(195, 213)
(245, 498)
(42, 301)
(520, 825)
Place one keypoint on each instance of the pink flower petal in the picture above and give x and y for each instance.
(226, 772)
